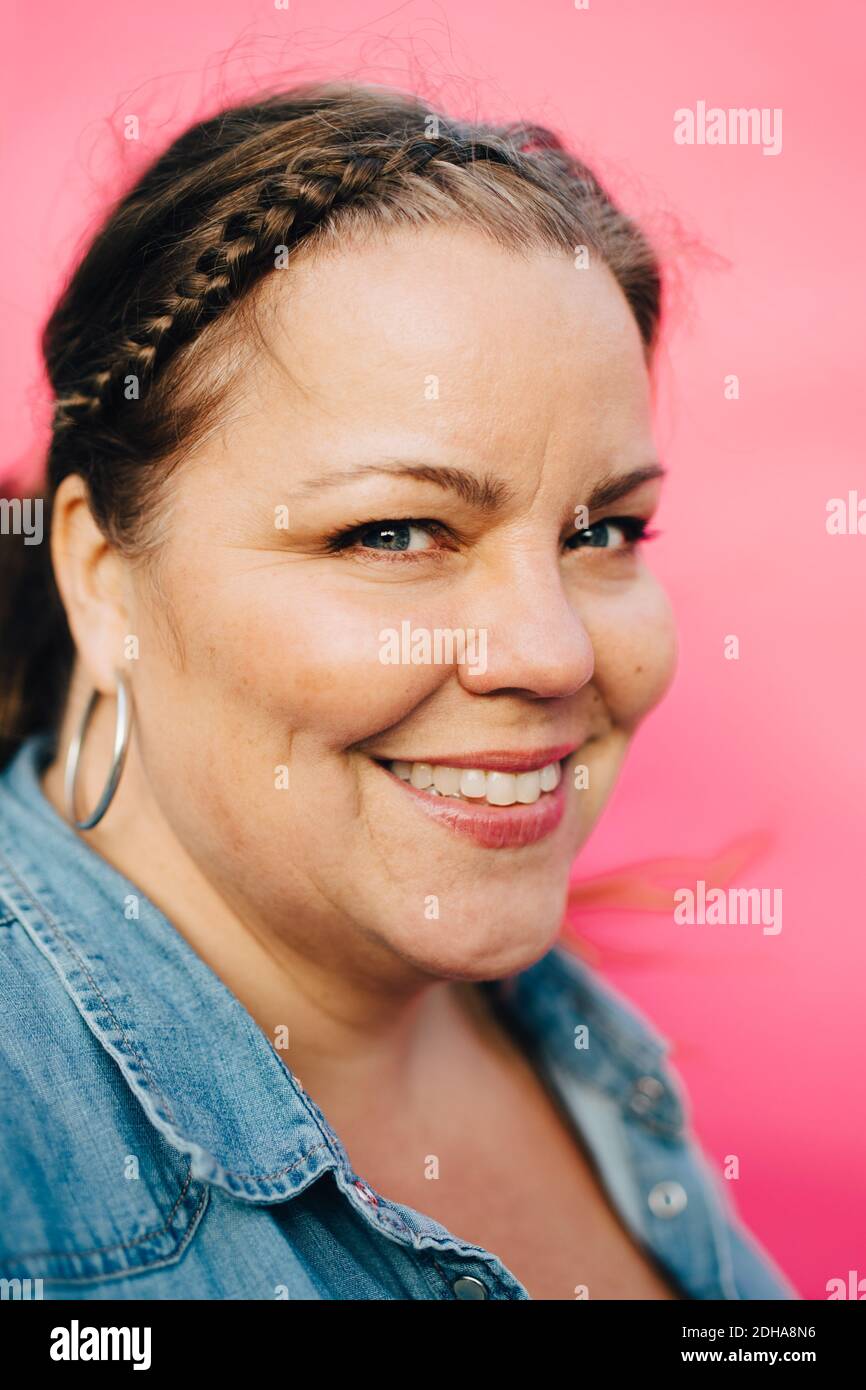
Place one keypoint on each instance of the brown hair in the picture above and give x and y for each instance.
(130, 347)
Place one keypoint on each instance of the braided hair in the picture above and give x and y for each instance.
(131, 344)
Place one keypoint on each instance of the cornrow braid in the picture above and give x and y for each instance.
(287, 205)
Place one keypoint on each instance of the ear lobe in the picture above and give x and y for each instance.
(90, 575)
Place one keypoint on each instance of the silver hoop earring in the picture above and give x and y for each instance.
(122, 726)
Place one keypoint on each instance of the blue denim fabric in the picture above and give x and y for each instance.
(153, 1144)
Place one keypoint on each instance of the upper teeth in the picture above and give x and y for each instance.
(479, 784)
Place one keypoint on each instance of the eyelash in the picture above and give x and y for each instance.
(635, 529)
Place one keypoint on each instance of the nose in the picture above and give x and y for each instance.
(530, 640)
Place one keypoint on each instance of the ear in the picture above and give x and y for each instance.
(91, 577)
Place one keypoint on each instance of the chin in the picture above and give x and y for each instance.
(485, 938)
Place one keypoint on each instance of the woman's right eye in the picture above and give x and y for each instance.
(410, 537)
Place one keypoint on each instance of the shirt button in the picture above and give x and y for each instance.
(667, 1199)
(647, 1090)
(467, 1287)
(366, 1193)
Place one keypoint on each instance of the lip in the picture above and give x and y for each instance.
(496, 759)
(503, 827)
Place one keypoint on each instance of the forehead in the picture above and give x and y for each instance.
(442, 331)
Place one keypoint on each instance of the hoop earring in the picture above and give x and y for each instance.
(122, 727)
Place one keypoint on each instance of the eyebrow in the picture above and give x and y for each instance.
(617, 485)
(487, 493)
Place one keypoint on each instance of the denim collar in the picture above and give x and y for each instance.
(203, 1071)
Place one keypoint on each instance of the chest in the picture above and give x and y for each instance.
(503, 1167)
(548, 1221)
(556, 1232)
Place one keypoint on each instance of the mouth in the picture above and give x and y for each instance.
(500, 799)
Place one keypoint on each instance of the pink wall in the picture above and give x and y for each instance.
(764, 752)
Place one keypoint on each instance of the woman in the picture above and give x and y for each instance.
(351, 464)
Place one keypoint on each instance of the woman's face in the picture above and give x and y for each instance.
(404, 459)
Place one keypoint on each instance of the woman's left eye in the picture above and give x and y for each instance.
(614, 533)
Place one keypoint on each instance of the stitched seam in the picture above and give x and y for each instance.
(389, 1219)
(265, 1177)
(105, 1249)
(134, 1273)
(55, 928)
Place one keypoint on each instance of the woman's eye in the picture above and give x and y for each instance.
(614, 533)
(395, 535)
(411, 538)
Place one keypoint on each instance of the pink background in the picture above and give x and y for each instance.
(752, 770)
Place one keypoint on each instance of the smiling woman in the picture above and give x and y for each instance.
(429, 355)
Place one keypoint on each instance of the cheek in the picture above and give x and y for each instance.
(635, 643)
(285, 651)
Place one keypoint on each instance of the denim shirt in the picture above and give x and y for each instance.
(154, 1144)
